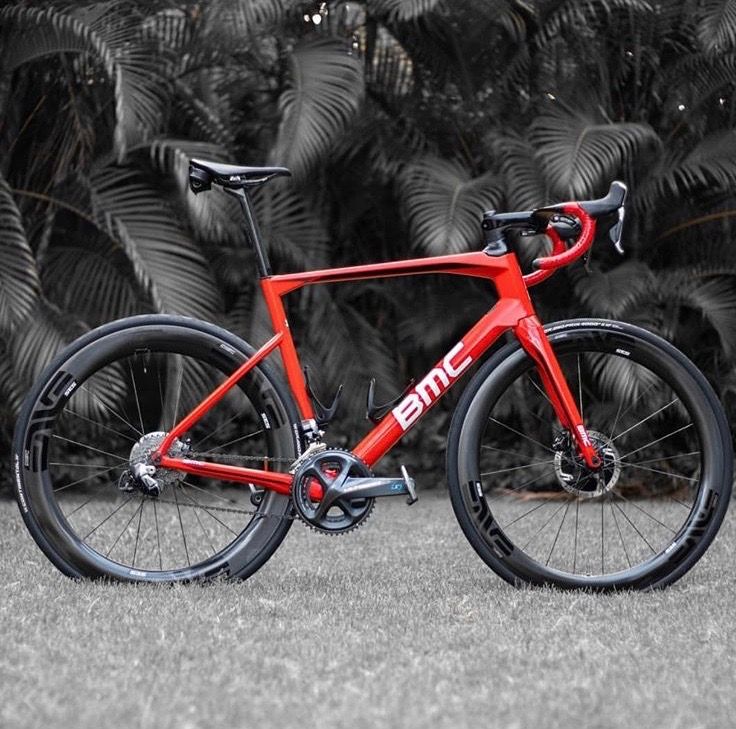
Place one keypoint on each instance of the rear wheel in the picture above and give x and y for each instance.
(103, 406)
(532, 509)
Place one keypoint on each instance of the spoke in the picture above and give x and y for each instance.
(513, 430)
(530, 511)
(580, 388)
(79, 465)
(543, 393)
(125, 528)
(180, 377)
(181, 525)
(534, 536)
(138, 532)
(111, 514)
(201, 506)
(603, 569)
(108, 408)
(575, 547)
(160, 392)
(216, 430)
(669, 458)
(86, 478)
(505, 492)
(644, 420)
(625, 515)
(95, 422)
(620, 535)
(158, 536)
(135, 391)
(89, 447)
(518, 468)
(644, 511)
(624, 464)
(621, 414)
(210, 493)
(529, 410)
(651, 443)
(206, 536)
(681, 503)
(615, 420)
(66, 516)
(557, 536)
(213, 451)
(501, 450)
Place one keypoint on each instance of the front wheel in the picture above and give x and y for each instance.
(529, 505)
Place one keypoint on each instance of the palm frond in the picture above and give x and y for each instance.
(610, 294)
(621, 380)
(19, 284)
(716, 28)
(390, 70)
(43, 334)
(323, 95)
(713, 299)
(291, 227)
(710, 167)
(171, 27)
(398, 10)
(12, 390)
(585, 13)
(90, 284)
(444, 204)
(232, 20)
(113, 39)
(579, 153)
(524, 184)
(699, 76)
(167, 263)
(214, 216)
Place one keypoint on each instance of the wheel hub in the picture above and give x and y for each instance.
(141, 452)
(576, 477)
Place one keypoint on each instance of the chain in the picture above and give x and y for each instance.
(247, 512)
(235, 458)
(265, 460)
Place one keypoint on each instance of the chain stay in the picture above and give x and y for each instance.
(235, 459)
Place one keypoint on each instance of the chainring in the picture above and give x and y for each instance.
(324, 469)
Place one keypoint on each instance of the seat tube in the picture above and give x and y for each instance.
(533, 338)
(289, 356)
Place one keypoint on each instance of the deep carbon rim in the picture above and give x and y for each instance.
(491, 528)
(248, 541)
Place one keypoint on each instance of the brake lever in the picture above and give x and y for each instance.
(617, 230)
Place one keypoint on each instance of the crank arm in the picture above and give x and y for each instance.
(370, 487)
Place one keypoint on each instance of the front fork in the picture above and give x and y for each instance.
(533, 338)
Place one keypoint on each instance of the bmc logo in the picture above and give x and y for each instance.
(407, 412)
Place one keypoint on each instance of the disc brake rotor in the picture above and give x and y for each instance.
(573, 473)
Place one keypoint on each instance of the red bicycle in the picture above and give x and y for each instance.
(586, 453)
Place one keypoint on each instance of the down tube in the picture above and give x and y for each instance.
(504, 315)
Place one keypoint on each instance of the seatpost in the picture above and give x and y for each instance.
(252, 232)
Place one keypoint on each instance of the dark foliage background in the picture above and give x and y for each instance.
(402, 121)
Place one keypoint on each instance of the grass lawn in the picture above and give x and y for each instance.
(398, 624)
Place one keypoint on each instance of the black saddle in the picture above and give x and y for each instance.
(204, 174)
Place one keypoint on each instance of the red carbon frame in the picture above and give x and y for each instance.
(513, 311)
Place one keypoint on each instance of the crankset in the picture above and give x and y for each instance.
(334, 491)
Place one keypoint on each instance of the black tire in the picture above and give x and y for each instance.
(201, 355)
(691, 483)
